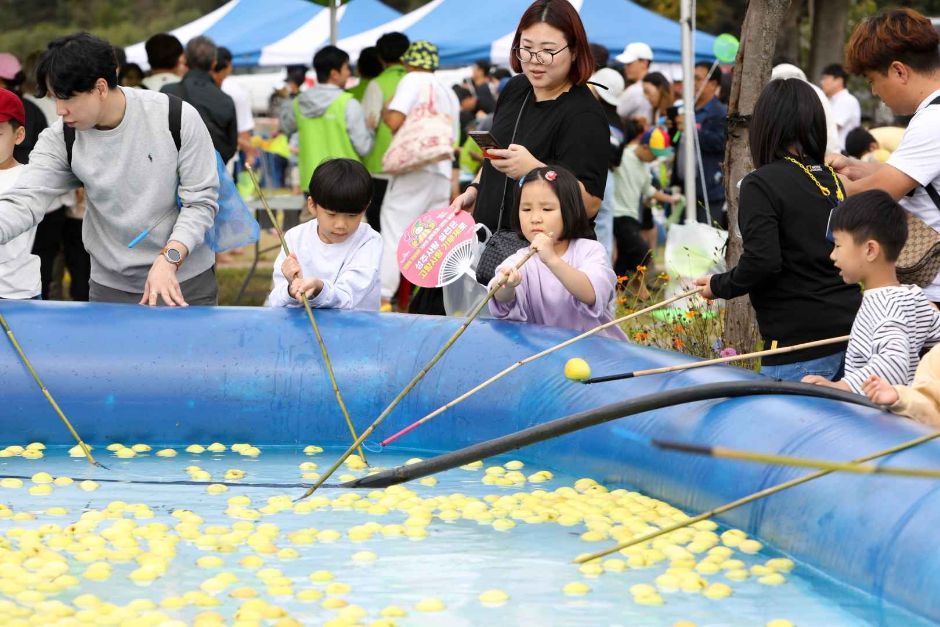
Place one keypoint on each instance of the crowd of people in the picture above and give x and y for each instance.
(580, 165)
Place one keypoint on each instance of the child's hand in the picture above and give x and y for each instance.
(545, 246)
(310, 287)
(880, 391)
(815, 379)
(514, 277)
(291, 267)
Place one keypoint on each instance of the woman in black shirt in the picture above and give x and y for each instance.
(544, 115)
(795, 289)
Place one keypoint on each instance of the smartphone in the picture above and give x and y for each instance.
(486, 142)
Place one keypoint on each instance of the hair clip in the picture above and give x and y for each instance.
(550, 176)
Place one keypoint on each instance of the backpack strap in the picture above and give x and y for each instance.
(69, 133)
(175, 121)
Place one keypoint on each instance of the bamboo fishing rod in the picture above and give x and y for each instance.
(453, 338)
(45, 392)
(754, 497)
(499, 375)
(722, 452)
(718, 360)
(310, 316)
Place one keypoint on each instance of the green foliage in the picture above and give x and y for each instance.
(122, 22)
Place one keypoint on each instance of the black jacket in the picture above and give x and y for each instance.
(214, 106)
(795, 289)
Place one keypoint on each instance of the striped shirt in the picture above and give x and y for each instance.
(891, 328)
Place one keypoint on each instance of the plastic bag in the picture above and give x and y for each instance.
(462, 295)
(694, 250)
(235, 223)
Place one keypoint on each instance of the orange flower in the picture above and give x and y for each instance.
(663, 277)
(641, 336)
(622, 300)
(690, 314)
(678, 328)
(622, 279)
(677, 343)
(641, 269)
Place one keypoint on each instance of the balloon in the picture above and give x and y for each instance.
(726, 48)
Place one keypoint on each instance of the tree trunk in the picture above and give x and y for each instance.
(829, 23)
(788, 39)
(751, 72)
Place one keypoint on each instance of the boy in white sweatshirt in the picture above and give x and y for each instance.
(19, 270)
(335, 257)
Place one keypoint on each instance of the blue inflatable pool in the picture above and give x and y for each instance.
(199, 374)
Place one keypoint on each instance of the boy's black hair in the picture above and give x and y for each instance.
(327, 59)
(369, 64)
(341, 185)
(163, 51)
(14, 124)
(836, 70)
(787, 113)
(566, 187)
(858, 141)
(223, 59)
(873, 215)
(392, 46)
(711, 73)
(73, 64)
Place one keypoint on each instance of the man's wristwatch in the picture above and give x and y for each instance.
(172, 255)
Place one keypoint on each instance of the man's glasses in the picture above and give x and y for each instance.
(529, 56)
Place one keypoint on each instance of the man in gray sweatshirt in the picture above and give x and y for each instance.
(126, 157)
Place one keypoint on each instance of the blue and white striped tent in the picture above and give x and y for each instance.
(276, 32)
(465, 31)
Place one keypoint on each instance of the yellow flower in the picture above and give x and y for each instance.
(641, 269)
(690, 314)
(663, 277)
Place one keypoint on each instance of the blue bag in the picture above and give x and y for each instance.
(235, 223)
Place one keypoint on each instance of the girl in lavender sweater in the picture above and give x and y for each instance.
(570, 282)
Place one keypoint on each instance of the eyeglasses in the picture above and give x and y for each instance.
(527, 56)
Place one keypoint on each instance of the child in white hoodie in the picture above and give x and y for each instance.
(19, 269)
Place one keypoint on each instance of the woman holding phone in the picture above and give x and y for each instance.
(545, 115)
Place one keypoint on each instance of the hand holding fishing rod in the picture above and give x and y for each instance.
(498, 285)
(313, 320)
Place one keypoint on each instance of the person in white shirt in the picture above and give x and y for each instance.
(19, 270)
(335, 257)
(411, 194)
(166, 60)
(845, 108)
(633, 104)
(897, 52)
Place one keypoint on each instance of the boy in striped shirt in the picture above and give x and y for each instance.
(895, 322)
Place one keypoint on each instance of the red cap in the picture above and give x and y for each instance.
(11, 107)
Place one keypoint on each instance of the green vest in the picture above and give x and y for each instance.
(324, 137)
(359, 91)
(388, 81)
(466, 162)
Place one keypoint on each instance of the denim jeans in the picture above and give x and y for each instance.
(829, 367)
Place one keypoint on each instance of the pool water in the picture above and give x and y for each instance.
(488, 544)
